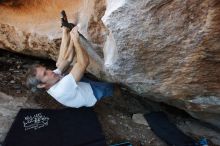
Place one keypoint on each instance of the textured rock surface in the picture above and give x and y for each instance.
(164, 50)
(169, 51)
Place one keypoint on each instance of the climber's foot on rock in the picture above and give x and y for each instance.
(64, 21)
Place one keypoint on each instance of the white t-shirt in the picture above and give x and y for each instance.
(72, 94)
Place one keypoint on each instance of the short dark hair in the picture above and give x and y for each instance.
(31, 80)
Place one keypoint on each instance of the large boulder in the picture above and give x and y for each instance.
(168, 51)
(164, 50)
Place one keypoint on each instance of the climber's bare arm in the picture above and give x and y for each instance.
(82, 57)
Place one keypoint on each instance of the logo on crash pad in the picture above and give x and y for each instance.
(35, 122)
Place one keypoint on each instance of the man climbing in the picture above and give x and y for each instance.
(72, 90)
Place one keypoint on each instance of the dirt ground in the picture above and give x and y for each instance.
(114, 113)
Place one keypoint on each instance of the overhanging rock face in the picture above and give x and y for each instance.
(164, 50)
(169, 51)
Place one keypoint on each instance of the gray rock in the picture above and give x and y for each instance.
(139, 119)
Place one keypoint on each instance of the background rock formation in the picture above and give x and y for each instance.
(164, 50)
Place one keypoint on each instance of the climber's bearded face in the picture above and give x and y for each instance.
(47, 77)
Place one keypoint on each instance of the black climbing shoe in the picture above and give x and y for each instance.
(64, 21)
(68, 25)
(63, 16)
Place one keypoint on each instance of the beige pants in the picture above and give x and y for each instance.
(67, 50)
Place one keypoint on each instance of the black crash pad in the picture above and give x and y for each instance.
(167, 131)
(63, 127)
